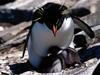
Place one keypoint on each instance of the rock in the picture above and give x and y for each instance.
(1, 28)
(3, 61)
(28, 73)
(27, 4)
(93, 6)
(4, 73)
(3, 2)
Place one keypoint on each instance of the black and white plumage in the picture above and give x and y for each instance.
(42, 38)
(52, 28)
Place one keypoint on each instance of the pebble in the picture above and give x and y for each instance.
(1, 28)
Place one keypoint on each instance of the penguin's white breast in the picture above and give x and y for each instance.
(42, 38)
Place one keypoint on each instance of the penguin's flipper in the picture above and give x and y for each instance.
(83, 26)
(80, 12)
(37, 16)
(26, 41)
(27, 38)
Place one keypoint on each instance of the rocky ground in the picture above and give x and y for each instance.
(10, 56)
(13, 56)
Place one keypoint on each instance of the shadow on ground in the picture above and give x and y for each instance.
(20, 67)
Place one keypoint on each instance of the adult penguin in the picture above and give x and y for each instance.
(52, 26)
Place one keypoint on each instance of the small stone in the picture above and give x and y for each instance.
(77, 65)
(7, 68)
(3, 61)
(4, 73)
(28, 73)
(1, 28)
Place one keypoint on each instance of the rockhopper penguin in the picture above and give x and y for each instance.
(51, 27)
(52, 30)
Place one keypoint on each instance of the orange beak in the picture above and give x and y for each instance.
(54, 30)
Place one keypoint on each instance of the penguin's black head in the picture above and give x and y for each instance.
(53, 10)
(52, 15)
